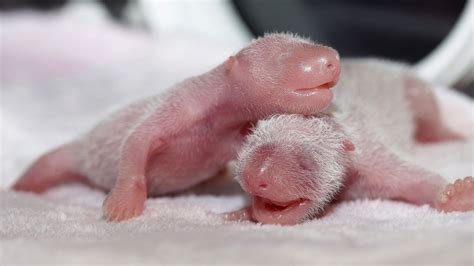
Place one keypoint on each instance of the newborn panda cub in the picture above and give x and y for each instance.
(293, 166)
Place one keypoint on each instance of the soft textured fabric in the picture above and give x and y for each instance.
(59, 95)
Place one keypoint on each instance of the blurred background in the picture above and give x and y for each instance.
(436, 35)
(409, 30)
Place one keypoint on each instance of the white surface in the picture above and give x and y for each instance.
(66, 227)
(43, 107)
(203, 19)
(453, 60)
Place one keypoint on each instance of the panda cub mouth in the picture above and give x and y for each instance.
(313, 90)
(276, 206)
(273, 206)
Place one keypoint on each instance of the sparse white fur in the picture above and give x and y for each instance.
(370, 100)
(100, 151)
(372, 106)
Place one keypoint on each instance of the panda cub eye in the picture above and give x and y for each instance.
(306, 165)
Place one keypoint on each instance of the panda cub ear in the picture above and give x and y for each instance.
(230, 62)
(348, 145)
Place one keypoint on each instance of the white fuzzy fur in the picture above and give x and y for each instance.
(315, 136)
(100, 148)
(370, 104)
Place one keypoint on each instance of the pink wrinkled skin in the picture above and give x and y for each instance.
(173, 141)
